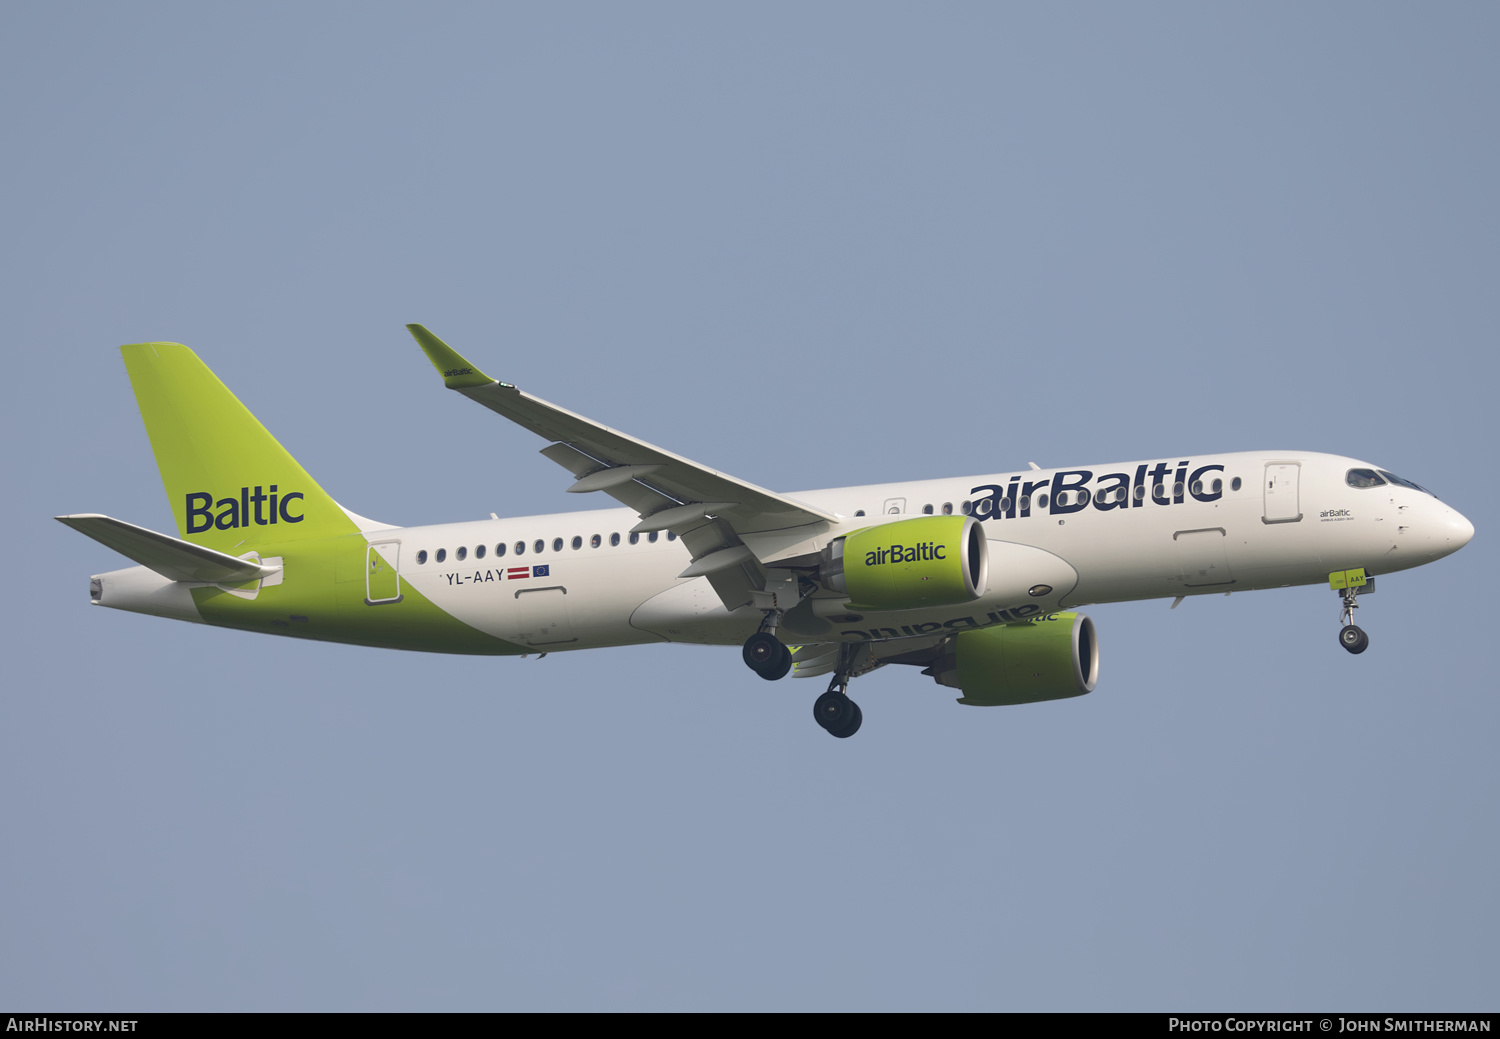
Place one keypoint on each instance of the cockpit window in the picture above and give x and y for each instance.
(1362, 478)
(1404, 483)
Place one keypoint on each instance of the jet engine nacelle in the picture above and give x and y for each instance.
(1050, 658)
(909, 564)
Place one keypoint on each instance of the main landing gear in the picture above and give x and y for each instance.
(764, 654)
(839, 715)
(834, 711)
(1352, 637)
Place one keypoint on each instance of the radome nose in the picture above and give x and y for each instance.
(1458, 530)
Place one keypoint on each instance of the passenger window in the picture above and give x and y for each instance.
(442, 554)
(671, 536)
(478, 551)
(500, 550)
(947, 508)
(462, 554)
(1004, 505)
(927, 510)
(965, 507)
(539, 546)
(1234, 484)
(859, 512)
(1197, 488)
(651, 537)
(1140, 492)
(614, 540)
(421, 557)
(1177, 489)
(557, 544)
(1218, 486)
(1062, 497)
(635, 539)
(1025, 503)
(595, 541)
(520, 548)
(578, 542)
(1041, 501)
(1158, 491)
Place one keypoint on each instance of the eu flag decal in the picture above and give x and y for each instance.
(540, 571)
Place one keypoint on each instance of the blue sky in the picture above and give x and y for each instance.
(809, 245)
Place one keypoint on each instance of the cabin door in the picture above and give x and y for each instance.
(1281, 492)
(382, 573)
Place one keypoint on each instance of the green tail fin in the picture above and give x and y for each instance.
(230, 483)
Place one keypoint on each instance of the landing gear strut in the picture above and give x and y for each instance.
(1352, 637)
(839, 715)
(764, 654)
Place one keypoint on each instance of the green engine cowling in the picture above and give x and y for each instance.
(910, 564)
(1051, 658)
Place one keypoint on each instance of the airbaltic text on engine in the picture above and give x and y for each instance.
(905, 554)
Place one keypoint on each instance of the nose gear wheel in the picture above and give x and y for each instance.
(1354, 639)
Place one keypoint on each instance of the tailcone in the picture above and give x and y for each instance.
(138, 589)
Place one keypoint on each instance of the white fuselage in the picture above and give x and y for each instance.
(1110, 533)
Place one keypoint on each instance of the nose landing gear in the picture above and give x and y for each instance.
(1351, 584)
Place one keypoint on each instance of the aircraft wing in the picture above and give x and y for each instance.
(709, 510)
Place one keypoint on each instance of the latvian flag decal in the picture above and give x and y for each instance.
(520, 573)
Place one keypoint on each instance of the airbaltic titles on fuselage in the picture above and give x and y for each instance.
(1010, 615)
(1069, 491)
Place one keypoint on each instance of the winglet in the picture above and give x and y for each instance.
(457, 372)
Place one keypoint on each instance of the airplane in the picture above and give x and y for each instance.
(975, 580)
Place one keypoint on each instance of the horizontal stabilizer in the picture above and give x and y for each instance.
(173, 558)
